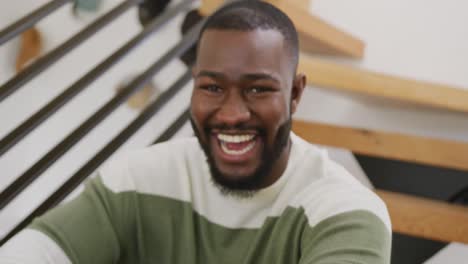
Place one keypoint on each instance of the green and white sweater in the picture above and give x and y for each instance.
(159, 205)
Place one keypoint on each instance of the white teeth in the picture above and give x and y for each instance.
(237, 152)
(226, 138)
(235, 138)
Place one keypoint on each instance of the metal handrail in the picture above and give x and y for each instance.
(46, 161)
(87, 169)
(175, 126)
(30, 19)
(53, 56)
(53, 106)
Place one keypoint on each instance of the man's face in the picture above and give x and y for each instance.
(244, 92)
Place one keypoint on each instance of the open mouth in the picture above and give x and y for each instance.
(237, 153)
(236, 145)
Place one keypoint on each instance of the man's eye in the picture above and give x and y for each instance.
(211, 88)
(259, 89)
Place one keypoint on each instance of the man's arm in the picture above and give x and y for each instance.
(351, 237)
(30, 246)
(81, 231)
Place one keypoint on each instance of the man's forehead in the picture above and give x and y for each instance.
(267, 35)
(256, 43)
(246, 51)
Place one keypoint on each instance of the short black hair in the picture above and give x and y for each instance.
(249, 15)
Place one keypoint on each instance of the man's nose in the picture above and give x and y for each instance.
(233, 110)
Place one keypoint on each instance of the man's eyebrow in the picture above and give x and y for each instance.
(259, 76)
(247, 76)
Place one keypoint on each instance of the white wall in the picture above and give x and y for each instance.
(420, 39)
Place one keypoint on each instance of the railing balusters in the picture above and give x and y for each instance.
(50, 58)
(40, 116)
(53, 155)
(77, 178)
(30, 19)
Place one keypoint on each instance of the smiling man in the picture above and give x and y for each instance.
(244, 96)
(245, 190)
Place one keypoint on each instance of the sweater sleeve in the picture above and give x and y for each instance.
(86, 228)
(353, 237)
(32, 247)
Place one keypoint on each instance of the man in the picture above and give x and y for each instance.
(249, 191)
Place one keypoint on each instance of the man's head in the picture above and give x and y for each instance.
(245, 92)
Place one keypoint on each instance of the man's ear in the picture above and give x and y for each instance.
(299, 84)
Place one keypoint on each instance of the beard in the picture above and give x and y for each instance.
(248, 185)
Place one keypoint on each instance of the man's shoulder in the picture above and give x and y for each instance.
(157, 166)
(338, 192)
(331, 190)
